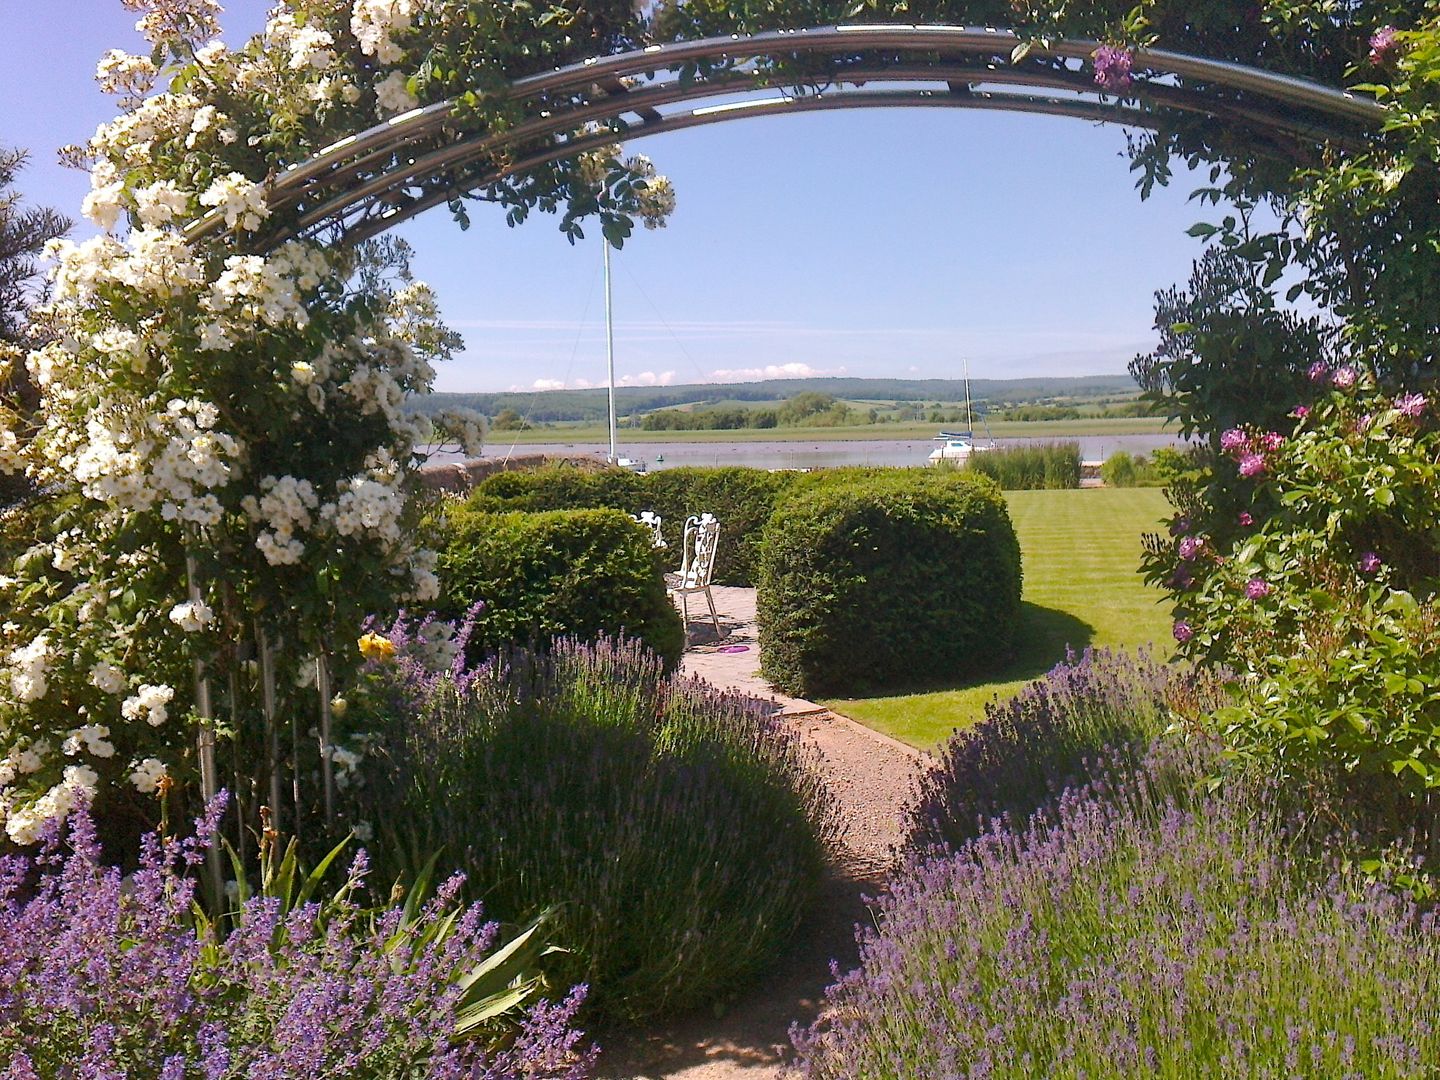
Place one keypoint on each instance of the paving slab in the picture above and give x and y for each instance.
(731, 659)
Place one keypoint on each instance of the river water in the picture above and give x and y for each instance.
(807, 455)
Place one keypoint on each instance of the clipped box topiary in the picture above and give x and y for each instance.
(886, 582)
(561, 573)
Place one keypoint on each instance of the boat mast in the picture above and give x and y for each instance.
(610, 347)
(969, 418)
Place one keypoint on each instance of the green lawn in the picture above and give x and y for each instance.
(1080, 551)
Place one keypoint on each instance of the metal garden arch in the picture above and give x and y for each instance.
(366, 183)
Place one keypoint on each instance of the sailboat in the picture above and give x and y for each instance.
(633, 464)
(957, 446)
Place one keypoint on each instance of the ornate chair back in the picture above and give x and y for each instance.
(702, 537)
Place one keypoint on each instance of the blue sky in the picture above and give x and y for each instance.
(870, 243)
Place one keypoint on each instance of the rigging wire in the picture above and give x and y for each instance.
(569, 366)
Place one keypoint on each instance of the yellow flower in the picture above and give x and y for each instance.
(376, 647)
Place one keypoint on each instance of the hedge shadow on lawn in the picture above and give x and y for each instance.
(1043, 637)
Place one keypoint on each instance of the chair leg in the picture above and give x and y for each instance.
(685, 616)
(714, 619)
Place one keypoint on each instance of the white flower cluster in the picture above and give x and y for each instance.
(192, 463)
(392, 97)
(348, 761)
(152, 261)
(272, 289)
(192, 616)
(131, 77)
(373, 22)
(240, 200)
(147, 774)
(435, 646)
(148, 704)
(161, 203)
(22, 760)
(130, 139)
(29, 667)
(163, 20)
(107, 678)
(92, 738)
(24, 824)
(656, 200)
(284, 506)
(425, 582)
(311, 48)
(465, 426)
(367, 506)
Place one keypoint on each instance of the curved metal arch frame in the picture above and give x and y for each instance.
(369, 182)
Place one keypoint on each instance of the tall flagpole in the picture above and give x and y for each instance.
(610, 347)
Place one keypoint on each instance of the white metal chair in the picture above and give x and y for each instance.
(702, 536)
(651, 521)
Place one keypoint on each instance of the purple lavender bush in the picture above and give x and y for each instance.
(1121, 933)
(678, 832)
(103, 975)
(1102, 706)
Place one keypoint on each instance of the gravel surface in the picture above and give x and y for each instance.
(872, 778)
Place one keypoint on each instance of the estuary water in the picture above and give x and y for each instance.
(806, 455)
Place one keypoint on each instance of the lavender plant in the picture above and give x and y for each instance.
(679, 831)
(1120, 933)
(1102, 706)
(105, 975)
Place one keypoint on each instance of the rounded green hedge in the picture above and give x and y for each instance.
(560, 573)
(887, 582)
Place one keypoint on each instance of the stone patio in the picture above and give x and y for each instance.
(732, 661)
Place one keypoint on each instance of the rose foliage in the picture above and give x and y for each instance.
(225, 414)
(1325, 604)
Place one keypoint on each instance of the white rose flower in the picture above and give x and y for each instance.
(147, 775)
(148, 704)
(192, 616)
(107, 678)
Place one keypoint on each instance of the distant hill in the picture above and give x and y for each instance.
(550, 406)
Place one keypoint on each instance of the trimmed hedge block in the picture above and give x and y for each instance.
(741, 498)
(887, 582)
(562, 573)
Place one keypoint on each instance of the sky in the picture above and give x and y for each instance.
(873, 243)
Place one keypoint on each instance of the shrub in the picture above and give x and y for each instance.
(103, 975)
(1128, 932)
(681, 831)
(1122, 469)
(1104, 706)
(742, 500)
(896, 580)
(1029, 468)
(559, 487)
(1322, 593)
(541, 576)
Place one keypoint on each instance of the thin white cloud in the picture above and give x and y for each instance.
(647, 378)
(771, 371)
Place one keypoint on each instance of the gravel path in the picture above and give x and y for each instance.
(871, 777)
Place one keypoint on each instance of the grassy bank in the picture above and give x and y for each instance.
(1080, 551)
(1009, 429)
